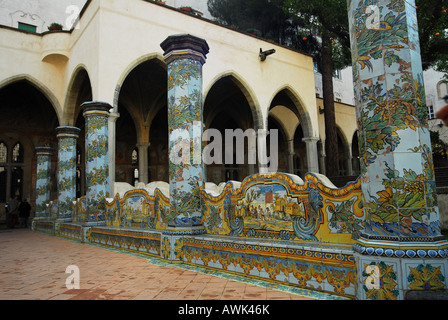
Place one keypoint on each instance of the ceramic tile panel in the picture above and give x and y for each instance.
(274, 207)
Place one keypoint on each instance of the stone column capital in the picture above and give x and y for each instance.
(70, 132)
(143, 145)
(113, 116)
(95, 108)
(44, 151)
(184, 46)
(310, 139)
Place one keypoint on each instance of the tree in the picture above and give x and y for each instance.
(432, 19)
(327, 24)
(264, 18)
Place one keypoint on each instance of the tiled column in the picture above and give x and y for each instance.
(43, 180)
(401, 248)
(185, 56)
(66, 175)
(96, 116)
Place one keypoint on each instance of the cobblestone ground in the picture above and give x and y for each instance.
(33, 267)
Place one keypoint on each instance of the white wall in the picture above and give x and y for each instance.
(39, 13)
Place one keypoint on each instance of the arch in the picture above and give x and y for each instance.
(143, 118)
(74, 97)
(134, 64)
(48, 94)
(229, 105)
(286, 92)
(282, 143)
(442, 89)
(248, 93)
(140, 94)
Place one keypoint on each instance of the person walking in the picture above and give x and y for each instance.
(24, 213)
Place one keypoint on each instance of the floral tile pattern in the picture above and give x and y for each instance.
(185, 136)
(396, 163)
(97, 160)
(43, 180)
(66, 173)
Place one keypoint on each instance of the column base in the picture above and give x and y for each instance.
(389, 270)
(173, 241)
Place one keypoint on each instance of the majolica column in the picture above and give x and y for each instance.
(401, 248)
(66, 174)
(185, 55)
(43, 180)
(96, 116)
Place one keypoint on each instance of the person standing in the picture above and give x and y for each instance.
(24, 213)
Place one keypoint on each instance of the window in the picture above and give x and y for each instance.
(17, 153)
(431, 114)
(337, 74)
(11, 171)
(442, 89)
(315, 66)
(3, 152)
(27, 27)
(135, 157)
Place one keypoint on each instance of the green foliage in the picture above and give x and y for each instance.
(433, 29)
(315, 17)
(264, 17)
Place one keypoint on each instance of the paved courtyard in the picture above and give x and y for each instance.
(33, 267)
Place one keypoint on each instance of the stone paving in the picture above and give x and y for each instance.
(33, 267)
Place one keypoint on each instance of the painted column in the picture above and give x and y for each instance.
(43, 180)
(185, 55)
(96, 116)
(401, 248)
(66, 174)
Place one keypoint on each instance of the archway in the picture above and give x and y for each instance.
(141, 103)
(80, 91)
(226, 107)
(28, 120)
(287, 107)
(282, 145)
